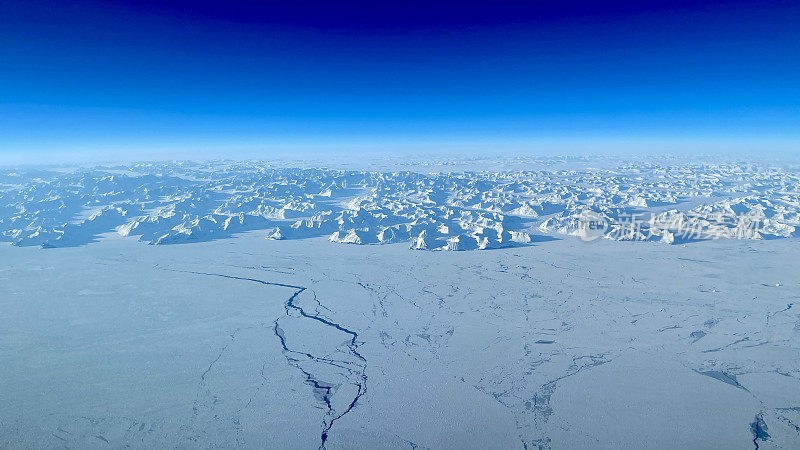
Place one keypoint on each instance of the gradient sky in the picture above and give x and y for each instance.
(252, 78)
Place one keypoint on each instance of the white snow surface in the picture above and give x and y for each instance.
(169, 203)
(546, 339)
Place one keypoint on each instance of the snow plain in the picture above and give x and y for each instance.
(549, 341)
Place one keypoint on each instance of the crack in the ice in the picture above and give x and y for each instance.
(202, 382)
(540, 403)
(738, 341)
(773, 314)
(759, 429)
(322, 390)
(258, 389)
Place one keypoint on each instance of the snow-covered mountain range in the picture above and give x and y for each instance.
(180, 202)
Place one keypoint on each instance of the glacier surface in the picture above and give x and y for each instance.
(556, 303)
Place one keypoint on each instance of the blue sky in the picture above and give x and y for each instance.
(254, 78)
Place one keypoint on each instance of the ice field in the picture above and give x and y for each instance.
(477, 311)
